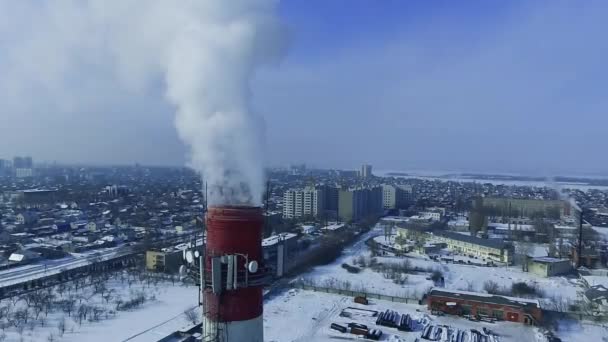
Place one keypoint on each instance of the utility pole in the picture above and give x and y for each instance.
(580, 240)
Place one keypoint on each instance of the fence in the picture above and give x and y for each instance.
(367, 295)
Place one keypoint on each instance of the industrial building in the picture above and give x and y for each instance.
(549, 267)
(167, 260)
(482, 306)
(488, 249)
(279, 252)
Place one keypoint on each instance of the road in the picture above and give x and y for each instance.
(45, 268)
(49, 267)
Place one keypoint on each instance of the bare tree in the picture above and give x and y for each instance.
(4, 312)
(20, 329)
(192, 316)
(61, 326)
(491, 287)
(68, 305)
(96, 313)
(470, 286)
(100, 288)
(21, 316)
(83, 311)
(61, 289)
(108, 295)
(118, 302)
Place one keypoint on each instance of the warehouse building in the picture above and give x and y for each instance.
(485, 306)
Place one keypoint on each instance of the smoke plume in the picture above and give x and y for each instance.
(202, 52)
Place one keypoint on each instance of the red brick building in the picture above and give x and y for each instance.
(482, 305)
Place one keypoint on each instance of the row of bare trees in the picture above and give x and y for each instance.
(88, 299)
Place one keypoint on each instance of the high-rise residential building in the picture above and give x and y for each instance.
(366, 171)
(330, 197)
(396, 196)
(4, 167)
(23, 167)
(302, 202)
(358, 203)
(23, 163)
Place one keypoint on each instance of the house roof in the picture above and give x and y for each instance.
(549, 260)
(597, 293)
(486, 298)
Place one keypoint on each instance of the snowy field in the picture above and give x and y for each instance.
(367, 280)
(109, 307)
(457, 276)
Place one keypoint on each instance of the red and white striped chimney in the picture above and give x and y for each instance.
(232, 315)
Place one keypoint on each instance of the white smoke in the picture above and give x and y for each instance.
(204, 51)
(567, 197)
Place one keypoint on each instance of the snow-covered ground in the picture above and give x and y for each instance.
(298, 315)
(368, 280)
(571, 330)
(308, 316)
(164, 306)
(457, 276)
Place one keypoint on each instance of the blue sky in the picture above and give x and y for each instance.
(495, 86)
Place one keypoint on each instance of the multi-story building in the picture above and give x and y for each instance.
(433, 214)
(486, 249)
(357, 203)
(396, 196)
(4, 167)
(527, 207)
(366, 171)
(23, 167)
(302, 202)
(330, 198)
(23, 162)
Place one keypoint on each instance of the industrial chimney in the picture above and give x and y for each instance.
(233, 275)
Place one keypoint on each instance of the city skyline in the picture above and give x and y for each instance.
(457, 97)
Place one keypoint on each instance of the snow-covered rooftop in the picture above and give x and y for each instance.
(549, 260)
(334, 226)
(523, 301)
(273, 240)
